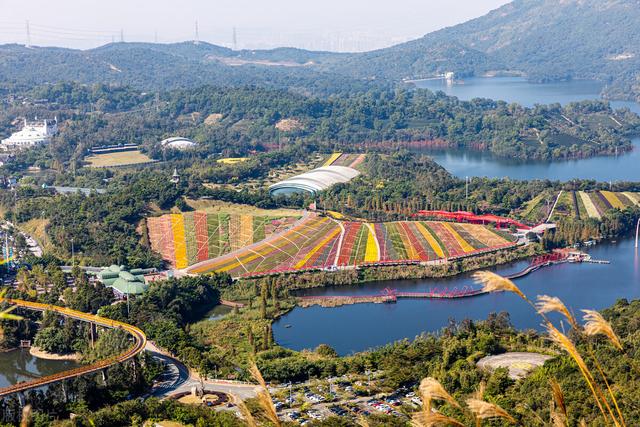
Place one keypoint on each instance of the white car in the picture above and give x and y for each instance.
(315, 415)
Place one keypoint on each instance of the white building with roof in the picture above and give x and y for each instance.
(314, 181)
(178, 143)
(33, 134)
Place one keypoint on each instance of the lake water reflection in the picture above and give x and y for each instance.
(511, 89)
(20, 365)
(358, 327)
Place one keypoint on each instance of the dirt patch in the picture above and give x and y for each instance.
(37, 228)
(213, 119)
(40, 354)
(288, 125)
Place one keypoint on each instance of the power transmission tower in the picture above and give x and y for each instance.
(197, 35)
(235, 39)
(28, 34)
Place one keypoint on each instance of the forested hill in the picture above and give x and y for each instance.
(542, 39)
(151, 66)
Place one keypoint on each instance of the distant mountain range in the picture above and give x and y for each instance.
(544, 40)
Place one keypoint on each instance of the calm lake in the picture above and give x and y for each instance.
(358, 327)
(19, 365)
(469, 163)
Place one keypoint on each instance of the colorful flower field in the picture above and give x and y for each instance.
(187, 238)
(317, 242)
(345, 159)
(581, 204)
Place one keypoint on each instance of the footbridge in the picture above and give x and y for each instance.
(389, 295)
(140, 340)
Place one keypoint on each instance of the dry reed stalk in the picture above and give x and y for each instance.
(434, 419)
(479, 393)
(492, 282)
(431, 389)
(264, 398)
(484, 410)
(558, 396)
(565, 343)
(26, 416)
(595, 324)
(6, 314)
(547, 304)
(604, 378)
(246, 414)
(558, 419)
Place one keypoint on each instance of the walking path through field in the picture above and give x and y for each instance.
(554, 207)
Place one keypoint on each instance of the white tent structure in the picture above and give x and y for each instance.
(314, 181)
(178, 143)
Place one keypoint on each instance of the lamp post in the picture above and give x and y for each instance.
(73, 254)
(128, 296)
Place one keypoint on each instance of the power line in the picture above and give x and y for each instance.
(71, 30)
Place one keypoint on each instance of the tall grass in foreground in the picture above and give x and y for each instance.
(6, 313)
(430, 389)
(264, 397)
(595, 324)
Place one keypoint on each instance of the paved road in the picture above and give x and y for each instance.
(177, 378)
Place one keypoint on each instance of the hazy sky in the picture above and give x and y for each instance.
(320, 24)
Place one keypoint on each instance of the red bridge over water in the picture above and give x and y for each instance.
(392, 295)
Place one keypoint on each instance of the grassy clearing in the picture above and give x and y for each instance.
(564, 207)
(531, 205)
(37, 228)
(122, 158)
(213, 206)
(565, 140)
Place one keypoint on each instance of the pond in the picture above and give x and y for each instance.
(20, 365)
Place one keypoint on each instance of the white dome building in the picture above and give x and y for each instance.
(178, 143)
(314, 181)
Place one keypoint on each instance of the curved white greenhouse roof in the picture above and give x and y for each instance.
(178, 142)
(315, 180)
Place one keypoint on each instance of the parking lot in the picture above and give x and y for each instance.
(341, 396)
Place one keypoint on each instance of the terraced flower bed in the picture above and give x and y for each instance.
(321, 242)
(191, 237)
(345, 159)
(582, 205)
